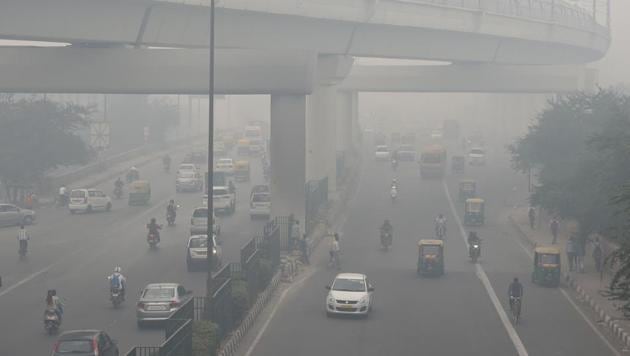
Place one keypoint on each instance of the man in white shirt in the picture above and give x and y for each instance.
(23, 238)
(62, 195)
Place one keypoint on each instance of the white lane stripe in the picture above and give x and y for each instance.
(274, 310)
(530, 254)
(481, 274)
(25, 280)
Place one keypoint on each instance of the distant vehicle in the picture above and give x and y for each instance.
(158, 301)
(225, 165)
(433, 162)
(260, 205)
(85, 343)
(256, 146)
(406, 153)
(382, 153)
(477, 156)
(199, 221)
(223, 200)
(191, 167)
(188, 181)
(197, 252)
(88, 200)
(11, 215)
(436, 134)
(349, 293)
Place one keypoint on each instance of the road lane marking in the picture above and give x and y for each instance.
(262, 330)
(597, 332)
(481, 274)
(25, 280)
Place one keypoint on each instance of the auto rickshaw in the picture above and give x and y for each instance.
(474, 211)
(139, 192)
(458, 164)
(546, 266)
(241, 171)
(467, 189)
(430, 257)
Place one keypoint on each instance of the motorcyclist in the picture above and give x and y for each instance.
(440, 224)
(473, 239)
(515, 291)
(394, 183)
(154, 229)
(23, 238)
(133, 174)
(118, 281)
(387, 228)
(118, 184)
(171, 209)
(54, 302)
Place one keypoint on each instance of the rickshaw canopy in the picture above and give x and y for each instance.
(140, 186)
(547, 250)
(474, 204)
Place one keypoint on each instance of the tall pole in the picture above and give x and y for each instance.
(209, 185)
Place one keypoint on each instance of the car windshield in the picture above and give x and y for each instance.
(77, 194)
(548, 259)
(74, 346)
(199, 242)
(382, 149)
(218, 192)
(261, 198)
(431, 158)
(349, 285)
(187, 174)
(186, 167)
(200, 213)
(158, 293)
(430, 250)
(476, 151)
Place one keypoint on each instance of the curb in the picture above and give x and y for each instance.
(230, 347)
(612, 324)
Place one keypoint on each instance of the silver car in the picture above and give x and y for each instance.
(11, 215)
(199, 222)
(197, 252)
(158, 301)
(188, 181)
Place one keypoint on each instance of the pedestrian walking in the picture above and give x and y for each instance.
(597, 254)
(304, 249)
(296, 232)
(532, 217)
(571, 250)
(554, 225)
(335, 249)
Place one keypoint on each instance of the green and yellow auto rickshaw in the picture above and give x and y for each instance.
(139, 192)
(467, 189)
(546, 266)
(458, 164)
(430, 257)
(241, 171)
(474, 212)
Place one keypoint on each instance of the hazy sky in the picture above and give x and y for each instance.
(615, 67)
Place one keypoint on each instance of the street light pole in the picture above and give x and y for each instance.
(209, 183)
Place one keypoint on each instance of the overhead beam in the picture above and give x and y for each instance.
(154, 71)
(482, 78)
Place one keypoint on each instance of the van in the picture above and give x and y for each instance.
(88, 200)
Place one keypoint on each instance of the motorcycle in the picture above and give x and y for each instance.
(394, 164)
(386, 240)
(153, 240)
(475, 251)
(118, 192)
(51, 321)
(116, 297)
(170, 218)
(393, 193)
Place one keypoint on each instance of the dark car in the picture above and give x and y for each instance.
(85, 343)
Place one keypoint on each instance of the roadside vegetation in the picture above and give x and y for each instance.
(579, 148)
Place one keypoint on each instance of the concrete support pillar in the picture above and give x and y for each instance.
(288, 137)
(321, 138)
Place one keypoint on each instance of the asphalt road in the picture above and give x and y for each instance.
(75, 253)
(450, 315)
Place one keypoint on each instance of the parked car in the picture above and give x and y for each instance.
(11, 215)
(260, 205)
(188, 181)
(223, 200)
(158, 301)
(199, 222)
(88, 200)
(349, 293)
(197, 252)
(225, 165)
(85, 343)
(382, 153)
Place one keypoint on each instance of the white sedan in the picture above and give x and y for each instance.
(349, 294)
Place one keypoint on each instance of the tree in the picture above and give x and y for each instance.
(36, 136)
(162, 115)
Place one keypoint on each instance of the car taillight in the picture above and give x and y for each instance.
(174, 304)
(95, 347)
(140, 305)
(56, 346)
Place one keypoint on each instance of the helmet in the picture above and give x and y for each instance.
(440, 216)
(172, 201)
(117, 269)
(153, 220)
(515, 279)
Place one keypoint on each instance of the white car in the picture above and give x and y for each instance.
(350, 294)
(225, 165)
(223, 200)
(382, 153)
(477, 156)
(188, 181)
(197, 252)
(88, 200)
(199, 222)
(260, 205)
(436, 134)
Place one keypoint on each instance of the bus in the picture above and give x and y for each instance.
(433, 162)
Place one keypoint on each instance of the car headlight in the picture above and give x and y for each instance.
(331, 300)
(214, 251)
(364, 300)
